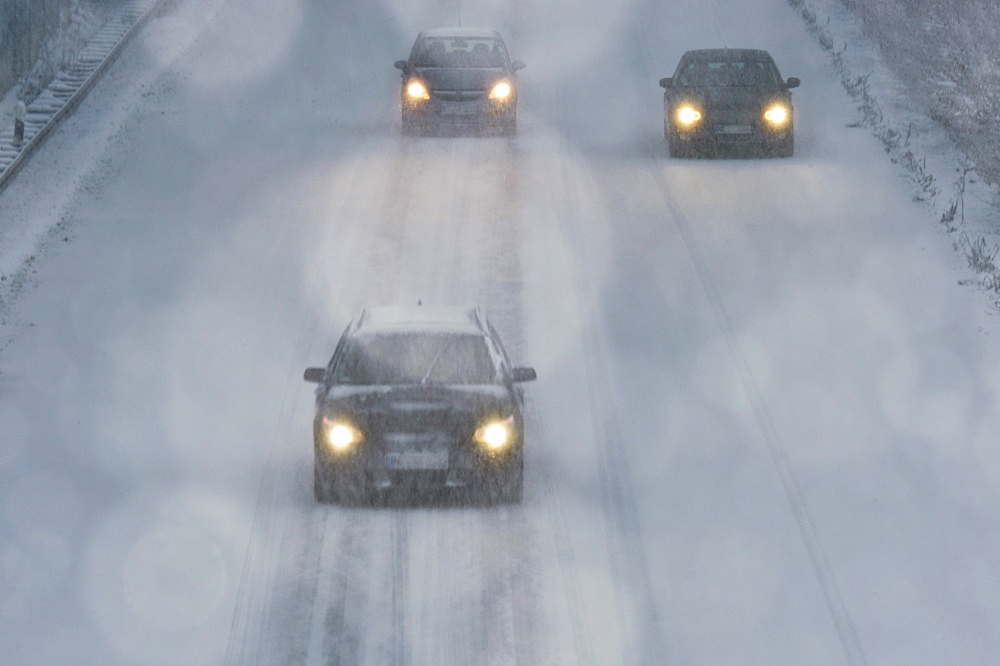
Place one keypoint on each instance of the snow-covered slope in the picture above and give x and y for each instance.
(764, 422)
(921, 77)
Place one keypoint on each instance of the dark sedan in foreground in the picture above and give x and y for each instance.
(728, 100)
(459, 77)
(418, 398)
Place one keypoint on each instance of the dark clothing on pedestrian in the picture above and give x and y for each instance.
(19, 113)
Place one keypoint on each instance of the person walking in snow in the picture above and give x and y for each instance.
(20, 111)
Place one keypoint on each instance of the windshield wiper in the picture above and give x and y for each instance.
(436, 359)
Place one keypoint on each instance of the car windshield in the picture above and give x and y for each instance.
(464, 52)
(415, 358)
(729, 73)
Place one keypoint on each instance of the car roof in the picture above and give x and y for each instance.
(728, 54)
(419, 318)
(459, 32)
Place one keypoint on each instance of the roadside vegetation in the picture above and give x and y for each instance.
(947, 52)
(946, 55)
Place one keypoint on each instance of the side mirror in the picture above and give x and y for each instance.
(523, 375)
(792, 82)
(517, 65)
(400, 64)
(315, 375)
(666, 83)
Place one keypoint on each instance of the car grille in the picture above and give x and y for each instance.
(734, 116)
(421, 441)
(412, 418)
(734, 138)
(459, 95)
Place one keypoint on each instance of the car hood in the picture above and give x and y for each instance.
(735, 96)
(447, 78)
(425, 405)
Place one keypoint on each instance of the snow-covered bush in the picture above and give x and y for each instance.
(949, 52)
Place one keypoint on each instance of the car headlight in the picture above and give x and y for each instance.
(496, 435)
(341, 435)
(417, 90)
(688, 115)
(501, 90)
(777, 115)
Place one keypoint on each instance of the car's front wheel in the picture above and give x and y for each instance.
(509, 126)
(321, 487)
(676, 147)
(784, 147)
(507, 488)
(409, 124)
(352, 489)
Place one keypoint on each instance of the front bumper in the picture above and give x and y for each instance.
(734, 128)
(733, 134)
(426, 462)
(457, 109)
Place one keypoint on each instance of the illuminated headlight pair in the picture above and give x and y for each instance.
(417, 90)
(495, 435)
(341, 435)
(777, 115)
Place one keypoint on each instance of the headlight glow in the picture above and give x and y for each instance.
(417, 90)
(777, 115)
(501, 90)
(341, 435)
(495, 435)
(687, 115)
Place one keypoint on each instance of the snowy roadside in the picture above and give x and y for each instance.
(946, 54)
(36, 207)
(942, 174)
(79, 24)
(47, 107)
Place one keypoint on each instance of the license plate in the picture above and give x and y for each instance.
(461, 110)
(733, 129)
(417, 460)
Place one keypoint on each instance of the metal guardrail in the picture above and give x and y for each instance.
(72, 86)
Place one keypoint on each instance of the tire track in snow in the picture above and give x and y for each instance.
(833, 598)
(400, 587)
(265, 548)
(332, 632)
(386, 251)
(583, 648)
(626, 552)
(506, 540)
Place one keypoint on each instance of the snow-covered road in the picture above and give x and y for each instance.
(765, 424)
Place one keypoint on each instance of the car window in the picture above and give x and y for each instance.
(464, 52)
(414, 358)
(754, 73)
(728, 73)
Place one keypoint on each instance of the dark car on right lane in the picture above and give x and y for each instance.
(724, 101)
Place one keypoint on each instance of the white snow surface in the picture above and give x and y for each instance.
(765, 424)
